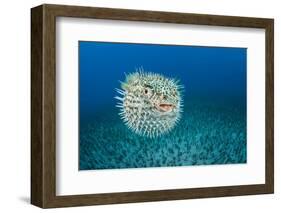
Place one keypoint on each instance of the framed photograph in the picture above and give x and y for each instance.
(136, 106)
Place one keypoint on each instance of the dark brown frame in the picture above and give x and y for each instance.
(43, 105)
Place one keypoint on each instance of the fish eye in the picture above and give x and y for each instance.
(145, 91)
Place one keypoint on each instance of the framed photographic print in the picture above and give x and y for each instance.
(135, 106)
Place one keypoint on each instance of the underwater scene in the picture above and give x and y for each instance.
(154, 105)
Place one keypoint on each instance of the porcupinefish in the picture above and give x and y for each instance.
(150, 103)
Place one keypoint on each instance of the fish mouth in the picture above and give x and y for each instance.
(165, 107)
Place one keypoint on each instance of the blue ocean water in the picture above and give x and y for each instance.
(213, 126)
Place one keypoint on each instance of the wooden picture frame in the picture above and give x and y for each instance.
(43, 105)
